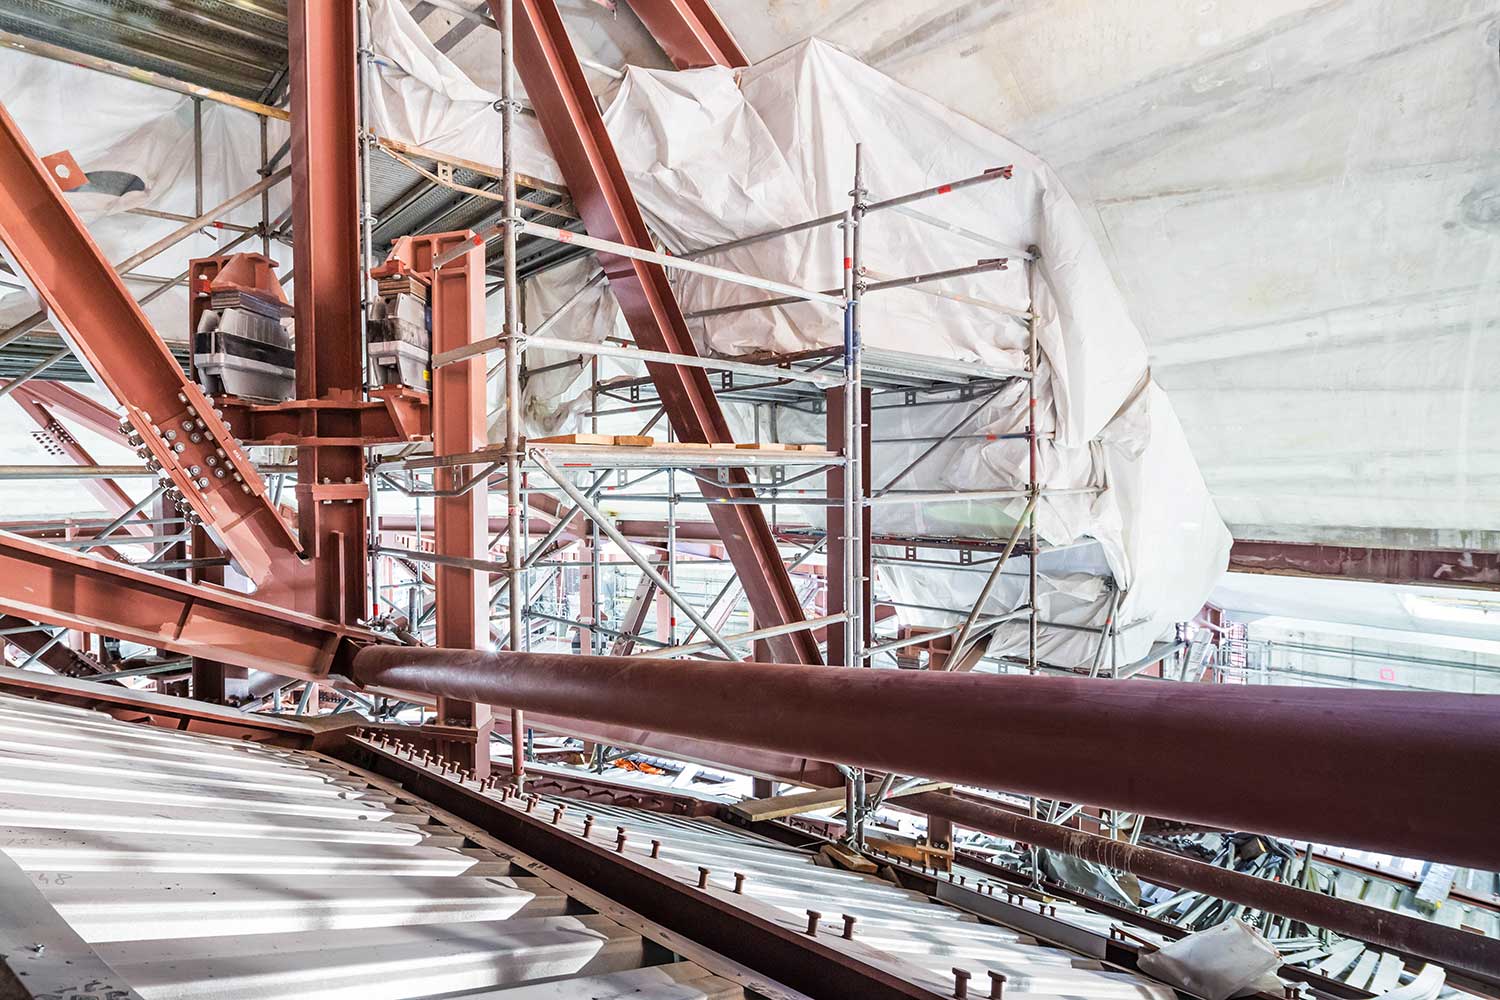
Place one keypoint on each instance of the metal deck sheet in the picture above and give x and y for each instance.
(203, 868)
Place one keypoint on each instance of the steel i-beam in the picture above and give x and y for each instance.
(106, 328)
(459, 414)
(690, 33)
(559, 92)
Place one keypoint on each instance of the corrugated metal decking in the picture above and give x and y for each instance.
(900, 931)
(200, 867)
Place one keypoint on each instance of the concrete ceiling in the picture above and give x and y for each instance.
(1300, 201)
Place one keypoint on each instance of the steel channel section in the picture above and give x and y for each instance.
(690, 33)
(809, 964)
(326, 247)
(559, 92)
(459, 425)
(1377, 770)
(1472, 954)
(107, 329)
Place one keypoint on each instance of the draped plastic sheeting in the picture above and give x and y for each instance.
(714, 155)
(135, 143)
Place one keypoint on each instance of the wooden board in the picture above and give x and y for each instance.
(781, 806)
(621, 440)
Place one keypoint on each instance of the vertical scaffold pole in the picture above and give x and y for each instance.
(854, 498)
(513, 348)
(366, 265)
(1033, 488)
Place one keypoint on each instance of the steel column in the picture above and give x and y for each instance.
(559, 92)
(458, 426)
(1281, 757)
(331, 490)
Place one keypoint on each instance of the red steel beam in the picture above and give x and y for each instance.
(106, 492)
(690, 33)
(559, 92)
(43, 583)
(60, 658)
(1377, 770)
(331, 491)
(105, 326)
(67, 400)
(1472, 568)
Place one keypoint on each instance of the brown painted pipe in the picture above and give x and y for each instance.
(1459, 951)
(1377, 770)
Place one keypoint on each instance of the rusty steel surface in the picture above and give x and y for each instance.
(1473, 954)
(555, 83)
(1270, 759)
(1423, 567)
(108, 330)
(41, 582)
(690, 33)
(331, 491)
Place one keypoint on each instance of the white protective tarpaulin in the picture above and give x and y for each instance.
(714, 155)
(135, 144)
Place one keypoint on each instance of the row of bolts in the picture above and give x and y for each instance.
(385, 741)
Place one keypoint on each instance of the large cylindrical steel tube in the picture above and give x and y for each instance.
(1398, 772)
(1458, 950)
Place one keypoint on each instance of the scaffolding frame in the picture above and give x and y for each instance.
(798, 381)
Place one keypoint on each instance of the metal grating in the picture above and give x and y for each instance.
(201, 867)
